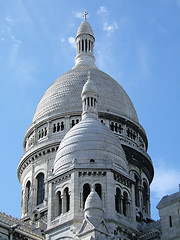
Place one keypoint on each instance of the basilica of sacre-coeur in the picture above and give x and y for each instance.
(85, 173)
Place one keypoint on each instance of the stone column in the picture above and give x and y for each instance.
(50, 205)
(67, 123)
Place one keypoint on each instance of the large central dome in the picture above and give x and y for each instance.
(113, 98)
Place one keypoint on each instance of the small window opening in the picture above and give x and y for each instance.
(77, 121)
(170, 221)
(28, 195)
(125, 198)
(73, 123)
(92, 160)
(86, 45)
(62, 126)
(58, 127)
(136, 190)
(88, 101)
(112, 126)
(86, 192)
(118, 200)
(98, 189)
(66, 200)
(91, 102)
(115, 127)
(59, 203)
(79, 47)
(40, 188)
(45, 131)
(54, 128)
(82, 45)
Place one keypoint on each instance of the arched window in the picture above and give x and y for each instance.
(86, 192)
(82, 45)
(98, 189)
(86, 45)
(118, 200)
(62, 126)
(125, 200)
(59, 203)
(66, 200)
(79, 47)
(136, 186)
(28, 195)
(54, 128)
(145, 196)
(40, 188)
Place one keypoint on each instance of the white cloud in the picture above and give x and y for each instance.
(9, 20)
(78, 14)
(102, 11)
(71, 41)
(110, 28)
(166, 179)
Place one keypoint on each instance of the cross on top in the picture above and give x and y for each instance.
(84, 15)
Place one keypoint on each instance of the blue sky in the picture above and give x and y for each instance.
(137, 43)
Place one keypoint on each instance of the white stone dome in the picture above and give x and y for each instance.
(90, 140)
(64, 95)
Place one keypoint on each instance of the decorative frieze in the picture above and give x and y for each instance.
(121, 179)
(92, 173)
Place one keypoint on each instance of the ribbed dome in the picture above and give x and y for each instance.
(85, 28)
(90, 139)
(64, 95)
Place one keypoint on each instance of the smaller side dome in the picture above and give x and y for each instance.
(93, 206)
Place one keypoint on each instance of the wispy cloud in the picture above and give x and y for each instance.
(110, 28)
(71, 41)
(78, 14)
(166, 179)
(10, 20)
(102, 11)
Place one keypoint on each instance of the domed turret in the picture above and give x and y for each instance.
(89, 97)
(85, 44)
